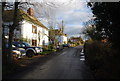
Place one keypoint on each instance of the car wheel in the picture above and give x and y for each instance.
(30, 54)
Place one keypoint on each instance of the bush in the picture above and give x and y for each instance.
(50, 47)
(102, 59)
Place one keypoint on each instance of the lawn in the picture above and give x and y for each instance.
(47, 52)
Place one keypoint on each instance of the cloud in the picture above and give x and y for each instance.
(74, 15)
(72, 12)
(73, 30)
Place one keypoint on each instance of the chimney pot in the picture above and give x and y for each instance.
(30, 12)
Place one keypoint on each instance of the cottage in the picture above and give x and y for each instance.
(76, 40)
(60, 37)
(29, 28)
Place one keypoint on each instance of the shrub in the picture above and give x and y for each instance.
(50, 47)
(102, 59)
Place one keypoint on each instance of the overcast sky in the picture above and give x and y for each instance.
(74, 16)
(72, 12)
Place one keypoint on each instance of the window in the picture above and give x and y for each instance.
(23, 45)
(34, 42)
(34, 29)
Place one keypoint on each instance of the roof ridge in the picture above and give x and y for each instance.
(32, 17)
(24, 15)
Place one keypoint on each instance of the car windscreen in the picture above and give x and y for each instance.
(26, 44)
(17, 44)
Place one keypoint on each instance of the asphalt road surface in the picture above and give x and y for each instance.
(67, 64)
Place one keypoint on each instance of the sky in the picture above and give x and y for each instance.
(74, 16)
(73, 12)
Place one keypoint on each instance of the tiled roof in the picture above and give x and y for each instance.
(22, 15)
(57, 32)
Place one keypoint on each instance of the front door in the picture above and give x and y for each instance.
(34, 42)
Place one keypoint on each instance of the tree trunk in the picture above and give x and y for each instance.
(10, 59)
(4, 52)
(11, 33)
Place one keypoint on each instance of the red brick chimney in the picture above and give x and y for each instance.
(30, 12)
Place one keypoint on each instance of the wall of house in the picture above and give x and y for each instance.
(46, 38)
(42, 36)
(64, 39)
(26, 31)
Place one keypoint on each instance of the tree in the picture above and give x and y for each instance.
(3, 39)
(12, 27)
(11, 30)
(107, 19)
(91, 32)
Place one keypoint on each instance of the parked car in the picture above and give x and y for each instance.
(30, 50)
(66, 45)
(59, 47)
(17, 52)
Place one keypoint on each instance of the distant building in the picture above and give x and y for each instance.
(29, 29)
(60, 38)
(76, 40)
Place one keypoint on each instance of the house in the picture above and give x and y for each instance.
(76, 40)
(62, 39)
(58, 36)
(29, 28)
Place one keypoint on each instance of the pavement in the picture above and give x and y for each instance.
(65, 64)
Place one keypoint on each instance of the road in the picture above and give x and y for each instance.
(67, 64)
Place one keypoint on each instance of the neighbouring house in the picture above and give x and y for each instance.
(29, 28)
(62, 39)
(76, 40)
(59, 37)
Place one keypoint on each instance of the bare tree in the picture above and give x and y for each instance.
(12, 27)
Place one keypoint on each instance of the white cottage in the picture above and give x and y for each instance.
(29, 29)
(60, 37)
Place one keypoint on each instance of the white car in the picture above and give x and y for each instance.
(18, 52)
(30, 50)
